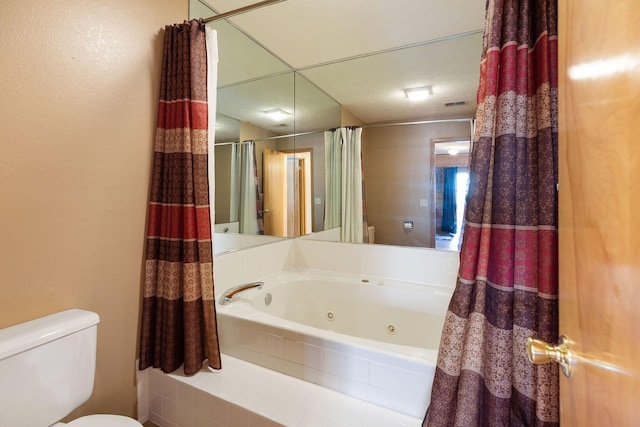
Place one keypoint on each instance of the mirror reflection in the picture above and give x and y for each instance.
(274, 174)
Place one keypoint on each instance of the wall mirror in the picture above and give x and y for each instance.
(414, 154)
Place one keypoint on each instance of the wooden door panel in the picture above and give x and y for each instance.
(599, 165)
(275, 193)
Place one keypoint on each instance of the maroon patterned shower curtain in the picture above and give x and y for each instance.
(507, 284)
(178, 312)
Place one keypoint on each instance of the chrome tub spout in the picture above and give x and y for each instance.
(226, 297)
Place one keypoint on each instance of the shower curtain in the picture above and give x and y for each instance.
(352, 218)
(332, 178)
(507, 286)
(234, 185)
(178, 324)
(251, 215)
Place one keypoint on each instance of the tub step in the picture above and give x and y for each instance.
(246, 395)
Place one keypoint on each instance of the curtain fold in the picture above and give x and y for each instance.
(332, 178)
(178, 325)
(449, 205)
(234, 185)
(507, 283)
(352, 202)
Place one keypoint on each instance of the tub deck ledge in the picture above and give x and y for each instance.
(243, 394)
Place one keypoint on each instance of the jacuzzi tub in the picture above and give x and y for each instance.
(366, 337)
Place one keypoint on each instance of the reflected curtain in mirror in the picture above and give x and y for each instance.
(178, 324)
(333, 178)
(507, 288)
(345, 204)
(234, 184)
(353, 227)
(449, 205)
(250, 203)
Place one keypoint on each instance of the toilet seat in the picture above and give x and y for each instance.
(104, 420)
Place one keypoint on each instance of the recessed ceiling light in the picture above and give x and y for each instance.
(276, 114)
(418, 93)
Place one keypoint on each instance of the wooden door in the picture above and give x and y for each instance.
(275, 193)
(599, 164)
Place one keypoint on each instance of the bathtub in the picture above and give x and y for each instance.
(370, 338)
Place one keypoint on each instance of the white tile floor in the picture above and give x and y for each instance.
(247, 395)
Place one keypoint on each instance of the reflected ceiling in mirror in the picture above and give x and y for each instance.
(308, 33)
(315, 110)
(371, 87)
(249, 101)
(227, 129)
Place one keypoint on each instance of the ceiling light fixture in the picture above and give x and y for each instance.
(276, 115)
(418, 93)
(453, 151)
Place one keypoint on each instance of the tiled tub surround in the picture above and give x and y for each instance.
(366, 337)
(245, 395)
(326, 357)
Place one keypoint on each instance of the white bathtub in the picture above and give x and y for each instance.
(365, 337)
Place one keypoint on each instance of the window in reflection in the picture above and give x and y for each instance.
(449, 231)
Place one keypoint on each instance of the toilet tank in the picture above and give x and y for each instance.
(47, 367)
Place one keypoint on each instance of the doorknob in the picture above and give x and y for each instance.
(539, 352)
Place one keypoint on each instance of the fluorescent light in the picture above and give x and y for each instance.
(418, 93)
(453, 151)
(276, 115)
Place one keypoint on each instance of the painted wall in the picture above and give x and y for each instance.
(348, 119)
(78, 112)
(397, 177)
(223, 159)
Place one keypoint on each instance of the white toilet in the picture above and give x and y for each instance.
(47, 367)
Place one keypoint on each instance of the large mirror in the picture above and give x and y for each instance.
(414, 154)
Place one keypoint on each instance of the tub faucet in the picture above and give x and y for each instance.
(226, 297)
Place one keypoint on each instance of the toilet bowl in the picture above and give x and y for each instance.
(47, 367)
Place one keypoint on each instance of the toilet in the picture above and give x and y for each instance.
(47, 369)
(371, 231)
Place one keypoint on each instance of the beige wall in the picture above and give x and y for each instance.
(397, 174)
(223, 183)
(78, 110)
(348, 119)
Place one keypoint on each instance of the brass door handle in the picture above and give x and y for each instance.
(539, 352)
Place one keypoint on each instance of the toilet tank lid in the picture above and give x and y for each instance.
(24, 336)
